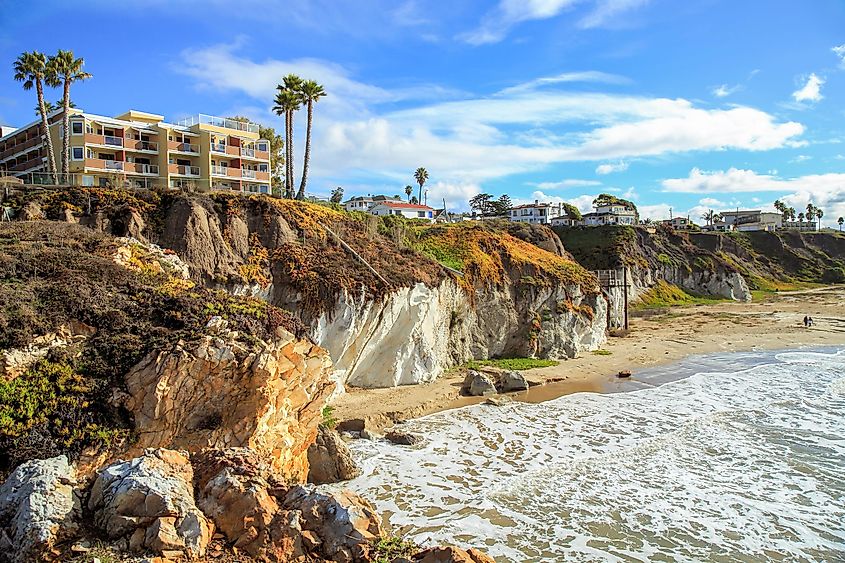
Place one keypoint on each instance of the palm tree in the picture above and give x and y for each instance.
(801, 217)
(31, 68)
(791, 212)
(421, 175)
(811, 212)
(287, 102)
(51, 107)
(709, 216)
(311, 92)
(408, 191)
(63, 70)
(819, 215)
(841, 221)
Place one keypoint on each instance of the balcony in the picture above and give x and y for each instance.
(257, 154)
(104, 140)
(182, 170)
(217, 170)
(223, 122)
(102, 164)
(251, 174)
(145, 169)
(133, 145)
(20, 146)
(218, 147)
(176, 146)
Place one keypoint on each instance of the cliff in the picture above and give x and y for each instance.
(104, 344)
(373, 291)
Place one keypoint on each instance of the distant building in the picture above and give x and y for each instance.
(679, 223)
(536, 212)
(752, 220)
(565, 221)
(407, 210)
(363, 203)
(612, 214)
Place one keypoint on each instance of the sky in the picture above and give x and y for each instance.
(680, 106)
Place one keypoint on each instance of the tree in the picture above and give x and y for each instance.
(421, 176)
(571, 211)
(841, 221)
(791, 213)
(310, 92)
(819, 215)
(709, 216)
(337, 195)
(481, 203)
(414, 200)
(502, 206)
(51, 107)
(408, 191)
(287, 101)
(63, 69)
(608, 199)
(779, 205)
(30, 68)
(801, 217)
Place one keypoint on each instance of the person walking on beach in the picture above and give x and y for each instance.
(806, 321)
(809, 321)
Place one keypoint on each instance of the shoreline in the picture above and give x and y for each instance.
(656, 338)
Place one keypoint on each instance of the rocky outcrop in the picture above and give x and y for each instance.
(492, 381)
(416, 333)
(155, 259)
(452, 555)
(478, 384)
(38, 509)
(329, 459)
(16, 361)
(149, 501)
(222, 391)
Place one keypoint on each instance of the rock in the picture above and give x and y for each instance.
(478, 384)
(367, 435)
(232, 490)
(511, 381)
(345, 523)
(329, 459)
(31, 211)
(624, 373)
(498, 401)
(221, 393)
(16, 361)
(351, 425)
(152, 494)
(402, 438)
(38, 508)
(452, 555)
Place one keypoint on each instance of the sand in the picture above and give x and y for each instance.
(655, 338)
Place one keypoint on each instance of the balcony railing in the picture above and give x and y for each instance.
(113, 141)
(247, 152)
(184, 170)
(246, 173)
(218, 147)
(183, 147)
(141, 145)
(142, 168)
(113, 165)
(218, 122)
(219, 170)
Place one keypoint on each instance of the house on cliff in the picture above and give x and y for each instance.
(541, 213)
(613, 214)
(407, 210)
(363, 203)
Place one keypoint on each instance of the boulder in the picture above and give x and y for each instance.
(31, 211)
(149, 500)
(452, 555)
(329, 459)
(402, 438)
(233, 491)
(479, 384)
(224, 391)
(38, 508)
(344, 524)
(511, 381)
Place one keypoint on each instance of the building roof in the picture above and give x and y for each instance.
(403, 205)
(747, 212)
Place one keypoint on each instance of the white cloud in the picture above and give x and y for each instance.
(566, 184)
(801, 158)
(456, 194)
(610, 168)
(839, 51)
(811, 91)
(497, 23)
(711, 202)
(656, 212)
(723, 90)
(606, 12)
(566, 77)
(824, 190)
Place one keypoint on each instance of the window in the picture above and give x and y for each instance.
(76, 127)
(87, 180)
(77, 153)
(89, 153)
(421, 214)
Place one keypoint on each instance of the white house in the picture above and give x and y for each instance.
(752, 220)
(613, 214)
(363, 203)
(679, 223)
(407, 210)
(565, 221)
(536, 212)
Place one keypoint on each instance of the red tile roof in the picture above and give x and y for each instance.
(402, 205)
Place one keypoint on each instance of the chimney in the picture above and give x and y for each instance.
(536, 202)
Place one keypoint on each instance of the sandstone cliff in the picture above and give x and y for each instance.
(392, 301)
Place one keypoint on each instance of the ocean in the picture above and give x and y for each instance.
(735, 457)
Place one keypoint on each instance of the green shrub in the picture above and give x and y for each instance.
(517, 364)
(329, 421)
(385, 550)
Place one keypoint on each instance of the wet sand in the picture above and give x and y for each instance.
(656, 338)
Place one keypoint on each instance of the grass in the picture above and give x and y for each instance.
(664, 295)
(602, 352)
(386, 549)
(517, 364)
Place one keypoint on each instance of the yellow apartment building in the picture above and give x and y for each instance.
(139, 149)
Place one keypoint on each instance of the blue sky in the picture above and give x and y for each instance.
(689, 105)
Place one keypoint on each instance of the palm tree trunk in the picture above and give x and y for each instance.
(51, 155)
(301, 194)
(287, 154)
(290, 160)
(66, 136)
(419, 199)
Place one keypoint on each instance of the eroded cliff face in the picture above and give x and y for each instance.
(414, 334)
(224, 391)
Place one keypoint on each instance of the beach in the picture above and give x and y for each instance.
(655, 338)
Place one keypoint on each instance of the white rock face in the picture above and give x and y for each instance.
(730, 285)
(416, 333)
(38, 508)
